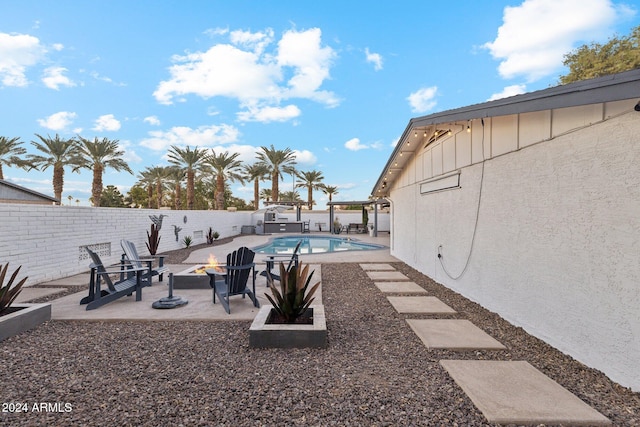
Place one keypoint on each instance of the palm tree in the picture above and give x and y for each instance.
(59, 153)
(276, 160)
(156, 175)
(10, 152)
(176, 177)
(97, 156)
(329, 190)
(256, 172)
(192, 161)
(265, 194)
(312, 181)
(145, 180)
(224, 167)
(293, 196)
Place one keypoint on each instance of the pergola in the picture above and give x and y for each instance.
(378, 202)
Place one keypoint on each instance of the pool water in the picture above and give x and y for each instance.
(314, 245)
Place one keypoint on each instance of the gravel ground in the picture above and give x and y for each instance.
(376, 371)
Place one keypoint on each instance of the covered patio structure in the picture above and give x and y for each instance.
(378, 202)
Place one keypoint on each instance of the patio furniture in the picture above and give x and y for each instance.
(98, 297)
(306, 226)
(271, 263)
(132, 258)
(357, 228)
(233, 281)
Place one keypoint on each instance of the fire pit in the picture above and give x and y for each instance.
(195, 276)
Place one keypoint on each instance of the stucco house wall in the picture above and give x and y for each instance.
(545, 231)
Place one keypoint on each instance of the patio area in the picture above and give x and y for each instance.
(388, 361)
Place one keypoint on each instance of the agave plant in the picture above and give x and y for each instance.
(292, 300)
(153, 239)
(10, 291)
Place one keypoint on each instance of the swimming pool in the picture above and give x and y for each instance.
(314, 245)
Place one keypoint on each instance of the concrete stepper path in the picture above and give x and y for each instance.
(387, 275)
(400, 288)
(453, 334)
(377, 267)
(508, 392)
(420, 304)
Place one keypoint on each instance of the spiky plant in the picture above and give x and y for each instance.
(153, 239)
(187, 241)
(292, 300)
(10, 291)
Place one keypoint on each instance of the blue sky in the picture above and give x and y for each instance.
(336, 81)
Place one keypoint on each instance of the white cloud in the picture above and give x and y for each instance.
(53, 78)
(57, 46)
(305, 157)
(423, 99)
(247, 70)
(354, 144)
(130, 155)
(17, 53)
(269, 114)
(509, 91)
(58, 121)
(152, 120)
(535, 35)
(256, 42)
(107, 122)
(374, 58)
(203, 136)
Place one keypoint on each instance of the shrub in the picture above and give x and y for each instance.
(290, 302)
(153, 239)
(10, 291)
(187, 241)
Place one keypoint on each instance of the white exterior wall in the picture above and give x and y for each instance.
(46, 240)
(558, 238)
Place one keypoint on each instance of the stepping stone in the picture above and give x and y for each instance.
(387, 275)
(29, 293)
(517, 393)
(427, 305)
(376, 267)
(453, 334)
(400, 287)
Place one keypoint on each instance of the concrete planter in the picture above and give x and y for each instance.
(23, 318)
(265, 335)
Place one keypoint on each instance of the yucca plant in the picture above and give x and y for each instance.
(153, 239)
(10, 291)
(292, 300)
(187, 241)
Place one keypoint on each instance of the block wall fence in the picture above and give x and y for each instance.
(47, 241)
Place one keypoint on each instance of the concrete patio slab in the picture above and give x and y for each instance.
(199, 307)
(377, 267)
(514, 392)
(400, 287)
(419, 304)
(387, 275)
(31, 293)
(453, 334)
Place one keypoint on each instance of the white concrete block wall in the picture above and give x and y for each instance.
(557, 243)
(45, 240)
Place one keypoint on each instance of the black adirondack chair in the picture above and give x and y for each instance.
(271, 263)
(97, 296)
(131, 258)
(233, 281)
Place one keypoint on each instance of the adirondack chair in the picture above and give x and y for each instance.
(233, 281)
(98, 297)
(132, 259)
(271, 263)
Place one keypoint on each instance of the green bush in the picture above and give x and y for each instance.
(187, 241)
(10, 291)
(290, 301)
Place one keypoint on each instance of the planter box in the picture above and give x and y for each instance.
(23, 318)
(264, 335)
